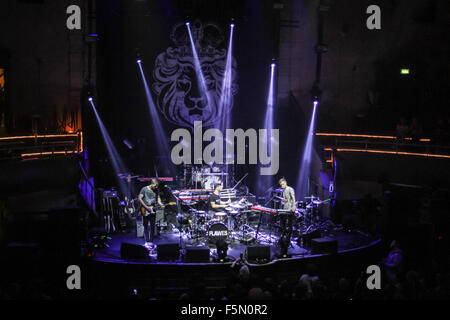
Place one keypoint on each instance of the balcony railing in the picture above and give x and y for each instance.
(38, 146)
(382, 144)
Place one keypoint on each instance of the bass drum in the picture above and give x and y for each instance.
(217, 231)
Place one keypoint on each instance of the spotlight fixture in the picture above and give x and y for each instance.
(222, 249)
(128, 143)
(138, 60)
(315, 93)
(404, 71)
(284, 243)
(273, 65)
(232, 25)
(92, 37)
(90, 98)
(187, 23)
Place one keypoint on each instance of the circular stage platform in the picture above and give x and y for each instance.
(347, 242)
(108, 272)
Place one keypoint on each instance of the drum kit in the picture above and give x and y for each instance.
(204, 177)
(199, 226)
(307, 214)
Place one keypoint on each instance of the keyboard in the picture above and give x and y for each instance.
(270, 210)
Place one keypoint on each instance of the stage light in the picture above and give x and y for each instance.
(404, 71)
(138, 60)
(264, 182)
(222, 250)
(226, 93)
(198, 69)
(232, 25)
(305, 167)
(116, 161)
(158, 129)
(91, 37)
(129, 144)
(284, 243)
(90, 99)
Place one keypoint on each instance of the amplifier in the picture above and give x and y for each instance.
(130, 251)
(197, 254)
(305, 239)
(324, 245)
(168, 251)
(254, 253)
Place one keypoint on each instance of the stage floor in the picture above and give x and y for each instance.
(347, 241)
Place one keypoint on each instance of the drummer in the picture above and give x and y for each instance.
(214, 203)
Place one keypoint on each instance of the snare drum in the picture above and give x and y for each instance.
(217, 231)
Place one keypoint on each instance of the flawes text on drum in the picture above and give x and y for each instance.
(213, 153)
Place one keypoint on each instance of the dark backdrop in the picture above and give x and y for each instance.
(128, 29)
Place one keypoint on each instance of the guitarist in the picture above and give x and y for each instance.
(149, 199)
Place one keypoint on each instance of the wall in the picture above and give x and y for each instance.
(45, 66)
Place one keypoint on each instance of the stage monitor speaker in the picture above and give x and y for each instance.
(130, 251)
(197, 254)
(305, 239)
(254, 253)
(168, 251)
(324, 245)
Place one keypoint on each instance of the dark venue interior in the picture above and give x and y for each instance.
(224, 150)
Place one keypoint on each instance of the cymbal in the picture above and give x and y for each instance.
(215, 173)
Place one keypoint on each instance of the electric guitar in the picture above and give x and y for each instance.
(153, 208)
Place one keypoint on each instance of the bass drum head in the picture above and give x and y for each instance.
(217, 231)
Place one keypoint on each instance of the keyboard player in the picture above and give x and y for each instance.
(286, 220)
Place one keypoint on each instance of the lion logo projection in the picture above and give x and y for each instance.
(179, 94)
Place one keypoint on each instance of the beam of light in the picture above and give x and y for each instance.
(162, 141)
(116, 161)
(266, 181)
(198, 69)
(226, 94)
(305, 168)
(431, 155)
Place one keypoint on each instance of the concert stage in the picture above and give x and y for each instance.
(347, 241)
(117, 277)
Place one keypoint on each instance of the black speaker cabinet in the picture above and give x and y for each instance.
(130, 251)
(324, 245)
(168, 251)
(197, 254)
(254, 253)
(305, 239)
